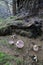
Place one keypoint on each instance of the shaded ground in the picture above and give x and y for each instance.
(12, 50)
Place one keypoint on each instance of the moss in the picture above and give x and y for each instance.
(7, 63)
(19, 62)
(6, 59)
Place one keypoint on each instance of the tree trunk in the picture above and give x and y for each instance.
(31, 5)
(14, 7)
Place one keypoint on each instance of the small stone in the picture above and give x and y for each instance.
(20, 44)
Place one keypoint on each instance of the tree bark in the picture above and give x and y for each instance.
(14, 7)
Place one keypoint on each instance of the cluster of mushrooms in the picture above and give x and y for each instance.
(20, 44)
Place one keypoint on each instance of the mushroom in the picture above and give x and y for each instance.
(34, 58)
(19, 44)
(35, 48)
(11, 42)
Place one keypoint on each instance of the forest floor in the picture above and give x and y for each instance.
(14, 51)
(22, 55)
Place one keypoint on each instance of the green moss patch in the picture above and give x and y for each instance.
(9, 60)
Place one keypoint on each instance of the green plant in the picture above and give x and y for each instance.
(6, 59)
(19, 61)
(8, 63)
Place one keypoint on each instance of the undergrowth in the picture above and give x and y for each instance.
(6, 59)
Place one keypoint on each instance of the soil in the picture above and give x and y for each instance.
(25, 51)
